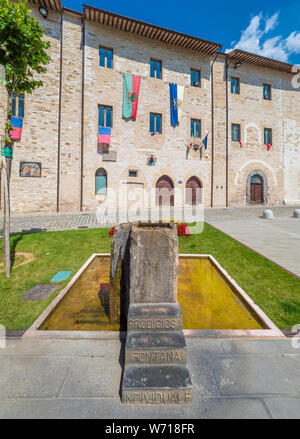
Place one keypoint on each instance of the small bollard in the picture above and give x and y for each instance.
(268, 214)
(297, 213)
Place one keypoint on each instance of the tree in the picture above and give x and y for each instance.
(23, 53)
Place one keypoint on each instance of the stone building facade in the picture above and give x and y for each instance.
(60, 127)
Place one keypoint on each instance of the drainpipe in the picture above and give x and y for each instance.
(59, 109)
(212, 129)
(227, 128)
(82, 110)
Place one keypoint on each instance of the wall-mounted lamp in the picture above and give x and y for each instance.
(237, 65)
(43, 11)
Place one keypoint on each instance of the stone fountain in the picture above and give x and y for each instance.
(143, 296)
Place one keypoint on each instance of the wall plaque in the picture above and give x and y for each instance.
(30, 169)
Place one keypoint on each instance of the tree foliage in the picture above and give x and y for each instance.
(22, 48)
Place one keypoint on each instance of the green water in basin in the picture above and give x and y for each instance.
(206, 300)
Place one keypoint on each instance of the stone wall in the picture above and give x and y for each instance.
(39, 134)
(131, 140)
(70, 152)
(254, 113)
(291, 140)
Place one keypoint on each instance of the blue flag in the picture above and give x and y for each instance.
(204, 141)
(174, 104)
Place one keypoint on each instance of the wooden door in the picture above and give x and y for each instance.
(193, 191)
(164, 192)
(256, 190)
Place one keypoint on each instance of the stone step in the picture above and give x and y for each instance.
(155, 348)
(162, 316)
(156, 385)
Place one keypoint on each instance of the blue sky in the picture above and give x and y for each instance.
(269, 28)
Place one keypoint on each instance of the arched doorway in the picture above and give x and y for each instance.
(256, 190)
(257, 187)
(164, 191)
(193, 194)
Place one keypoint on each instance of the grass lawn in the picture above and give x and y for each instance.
(273, 289)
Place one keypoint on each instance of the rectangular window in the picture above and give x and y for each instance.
(100, 185)
(132, 173)
(235, 132)
(195, 78)
(105, 57)
(155, 69)
(235, 85)
(195, 128)
(268, 136)
(18, 105)
(104, 116)
(267, 92)
(155, 123)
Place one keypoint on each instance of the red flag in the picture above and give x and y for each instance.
(269, 146)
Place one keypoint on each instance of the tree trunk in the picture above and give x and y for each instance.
(6, 174)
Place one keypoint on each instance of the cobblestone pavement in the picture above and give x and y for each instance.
(72, 221)
(232, 378)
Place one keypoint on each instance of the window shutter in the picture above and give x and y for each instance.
(100, 185)
(108, 117)
(109, 58)
(158, 123)
(14, 102)
(152, 69)
(102, 57)
(158, 70)
(21, 106)
(101, 116)
(152, 129)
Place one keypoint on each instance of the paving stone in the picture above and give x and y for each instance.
(203, 346)
(62, 348)
(93, 377)
(26, 377)
(250, 376)
(62, 408)
(40, 292)
(259, 347)
(290, 365)
(282, 236)
(284, 408)
(204, 383)
(33, 373)
(226, 408)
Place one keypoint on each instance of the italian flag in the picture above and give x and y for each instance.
(131, 95)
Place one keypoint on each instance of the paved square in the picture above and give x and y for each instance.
(232, 378)
(277, 239)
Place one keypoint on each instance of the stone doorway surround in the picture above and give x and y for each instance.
(262, 175)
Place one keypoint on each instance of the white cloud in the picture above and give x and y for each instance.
(293, 42)
(272, 22)
(254, 39)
